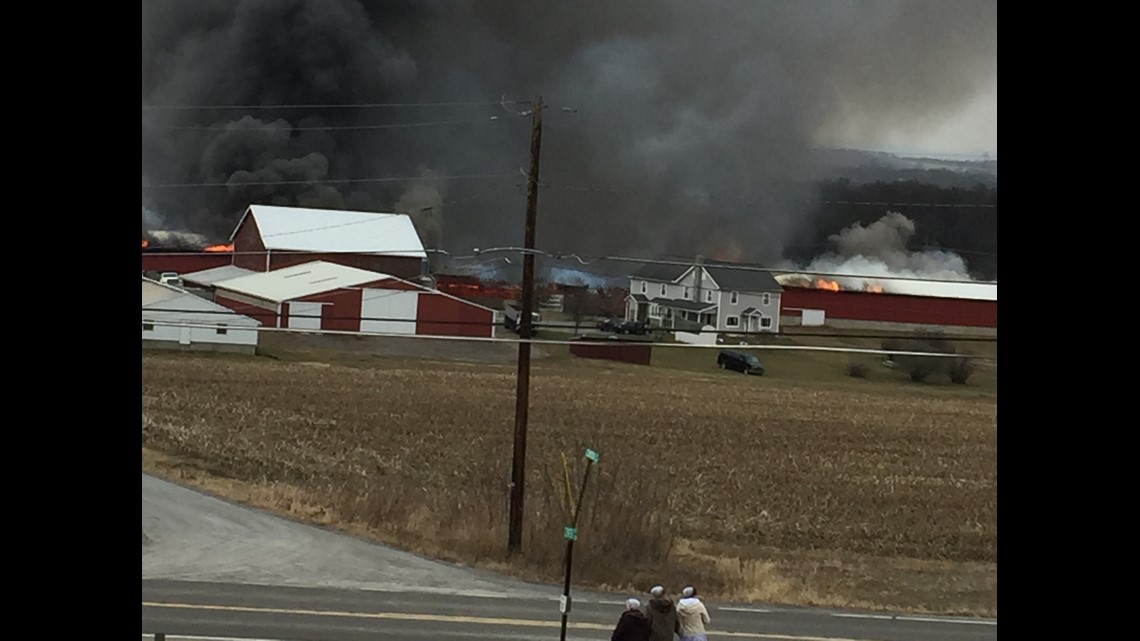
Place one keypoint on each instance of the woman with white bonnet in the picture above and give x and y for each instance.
(692, 616)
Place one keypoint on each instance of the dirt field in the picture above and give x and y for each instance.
(868, 495)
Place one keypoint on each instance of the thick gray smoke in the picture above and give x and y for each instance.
(692, 127)
(880, 249)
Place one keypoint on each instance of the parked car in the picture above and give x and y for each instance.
(609, 325)
(739, 362)
(633, 327)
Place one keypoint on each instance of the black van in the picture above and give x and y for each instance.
(738, 362)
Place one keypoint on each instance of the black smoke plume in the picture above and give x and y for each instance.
(689, 125)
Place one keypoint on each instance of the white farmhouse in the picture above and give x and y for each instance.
(728, 298)
(176, 318)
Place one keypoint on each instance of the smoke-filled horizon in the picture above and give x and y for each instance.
(692, 130)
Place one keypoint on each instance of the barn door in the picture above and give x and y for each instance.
(305, 315)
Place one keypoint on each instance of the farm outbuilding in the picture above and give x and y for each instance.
(892, 308)
(172, 317)
(268, 238)
(329, 296)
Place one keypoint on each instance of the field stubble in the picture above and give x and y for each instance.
(778, 493)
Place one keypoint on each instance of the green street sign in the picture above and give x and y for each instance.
(592, 455)
(570, 533)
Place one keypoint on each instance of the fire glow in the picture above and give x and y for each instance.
(830, 285)
(220, 248)
(145, 243)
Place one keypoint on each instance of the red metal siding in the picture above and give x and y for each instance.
(439, 315)
(893, 308)
(268, 318)
(182, 263)
(342, 313)
(626, 353)
(248, 239)
(397, 266)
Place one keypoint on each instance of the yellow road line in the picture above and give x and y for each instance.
(448, 618)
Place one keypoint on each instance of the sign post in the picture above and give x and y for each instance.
(570, 533)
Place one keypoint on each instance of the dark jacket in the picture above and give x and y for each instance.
(662, 619)
(632, 626)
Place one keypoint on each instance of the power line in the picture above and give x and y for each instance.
(567, 325)
(634, 192)
(330, 181)
(322, 128)
(363, 105)
(536, 341)
(589, 260)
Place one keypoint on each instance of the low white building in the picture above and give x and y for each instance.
(176, 318)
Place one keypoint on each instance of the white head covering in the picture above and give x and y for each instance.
(632, 604)
(657, 590)
(687, 592)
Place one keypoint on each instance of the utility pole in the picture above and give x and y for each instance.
(522, 395)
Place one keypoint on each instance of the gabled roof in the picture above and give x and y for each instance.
(295, 282)
(163, 302)
(334, 230)
(663, 273)
(743, 280)
(217, 274)
(154, 291)
(749, 310)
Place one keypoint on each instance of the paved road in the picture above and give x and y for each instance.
(214, 571)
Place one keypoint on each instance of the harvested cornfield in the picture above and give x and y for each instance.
(762, 489)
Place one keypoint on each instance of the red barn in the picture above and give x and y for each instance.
(892, 308)
(268, 238)
(331, 296)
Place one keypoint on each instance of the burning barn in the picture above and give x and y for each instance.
(181, 252)
(891, 300)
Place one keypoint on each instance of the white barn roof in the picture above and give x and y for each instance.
(162, 302)
(217, 274)
(295, 282)
(334, 231)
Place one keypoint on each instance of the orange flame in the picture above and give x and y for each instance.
(827, 284)
(220, 248)
(874, 288)
(144, 243)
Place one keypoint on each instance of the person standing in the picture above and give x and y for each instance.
(662, 614)
(633, 624)
(692, 616)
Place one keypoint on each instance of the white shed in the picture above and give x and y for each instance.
(168, 314)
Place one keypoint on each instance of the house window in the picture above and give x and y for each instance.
(643, 286)
(765, 322)
(221, 330)
(732, 321)
(664, 288)
(148, 326)
(688, 293)
(735, 297)
(767, 299)
(708, 296)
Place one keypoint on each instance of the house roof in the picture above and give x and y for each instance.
(743, 280)
(666, 273)
(154, 291)
(687, 305)
(334, 230)
(217, 274)
(749, 310)
(295, 282)
(171, 303)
